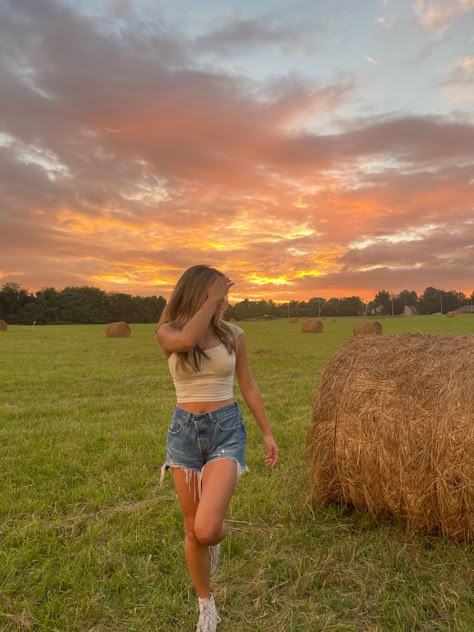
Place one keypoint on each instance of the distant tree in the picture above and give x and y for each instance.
(316, 305)
(430, 302)
(453, 300)
(89, 305)
(398, 305)
(331, 307)
(13, 298)
(409, 297)
(382, 302)
(350, 306)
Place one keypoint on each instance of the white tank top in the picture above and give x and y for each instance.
(214, 382)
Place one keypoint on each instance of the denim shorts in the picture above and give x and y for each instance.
(195, 439)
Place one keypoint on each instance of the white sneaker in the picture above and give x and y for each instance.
(214, 558)
(208, 617)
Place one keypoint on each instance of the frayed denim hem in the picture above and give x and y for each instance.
(191, 474)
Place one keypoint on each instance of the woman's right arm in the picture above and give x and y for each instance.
(175, 340)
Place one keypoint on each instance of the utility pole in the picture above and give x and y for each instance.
(441, 300)
(319, 307)
(288, 310)
(391, 297)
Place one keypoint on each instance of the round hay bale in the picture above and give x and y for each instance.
(393, 431)
(451, 314)
(367, 328)
(3, 325)
(334, 320)
(293, 320)
(312, 326)
(118, 330)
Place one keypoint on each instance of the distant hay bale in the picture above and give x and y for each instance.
(312, 326)
(293, 320)
(367, 328)
(3, 325)
(334, 320)
(118, 330)
(393, 431)
(451, 314)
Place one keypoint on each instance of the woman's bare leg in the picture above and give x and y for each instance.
(197, 554)
(219, 479)
(204, 517)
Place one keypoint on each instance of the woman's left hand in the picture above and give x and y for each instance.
(271, 457)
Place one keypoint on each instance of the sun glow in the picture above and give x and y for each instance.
(263, 280)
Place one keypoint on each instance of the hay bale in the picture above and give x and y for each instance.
(3, 325)
(312, 326)
(293, 320)
(451, 314)
(367, 328)
(393, 431)
(334, 320)
(118, 330)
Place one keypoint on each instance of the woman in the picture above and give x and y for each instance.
(205, 447)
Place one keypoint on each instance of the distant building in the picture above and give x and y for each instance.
(466, 309)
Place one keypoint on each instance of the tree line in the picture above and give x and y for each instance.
(384, 303)
(92, 305)
(76, 305)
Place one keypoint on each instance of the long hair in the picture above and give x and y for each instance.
(187, 298)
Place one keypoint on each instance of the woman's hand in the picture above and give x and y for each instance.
(218, 290)
(271, 457)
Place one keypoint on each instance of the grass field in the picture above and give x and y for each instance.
(90, 541)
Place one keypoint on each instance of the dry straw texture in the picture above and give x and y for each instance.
(368, 328)
(312, 326)
(118, 330)
(393, 431)
(3, 325)
(451, 314)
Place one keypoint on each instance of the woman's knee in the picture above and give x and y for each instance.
(207, 532)
(190, 531)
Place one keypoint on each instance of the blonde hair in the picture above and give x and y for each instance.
(187, 298)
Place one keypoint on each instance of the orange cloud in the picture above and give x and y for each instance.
(147, 163)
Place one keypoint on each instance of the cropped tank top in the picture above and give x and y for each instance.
(214, 382)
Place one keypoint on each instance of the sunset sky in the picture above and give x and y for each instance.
(307, 148)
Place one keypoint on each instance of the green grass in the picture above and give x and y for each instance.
(90, 541)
